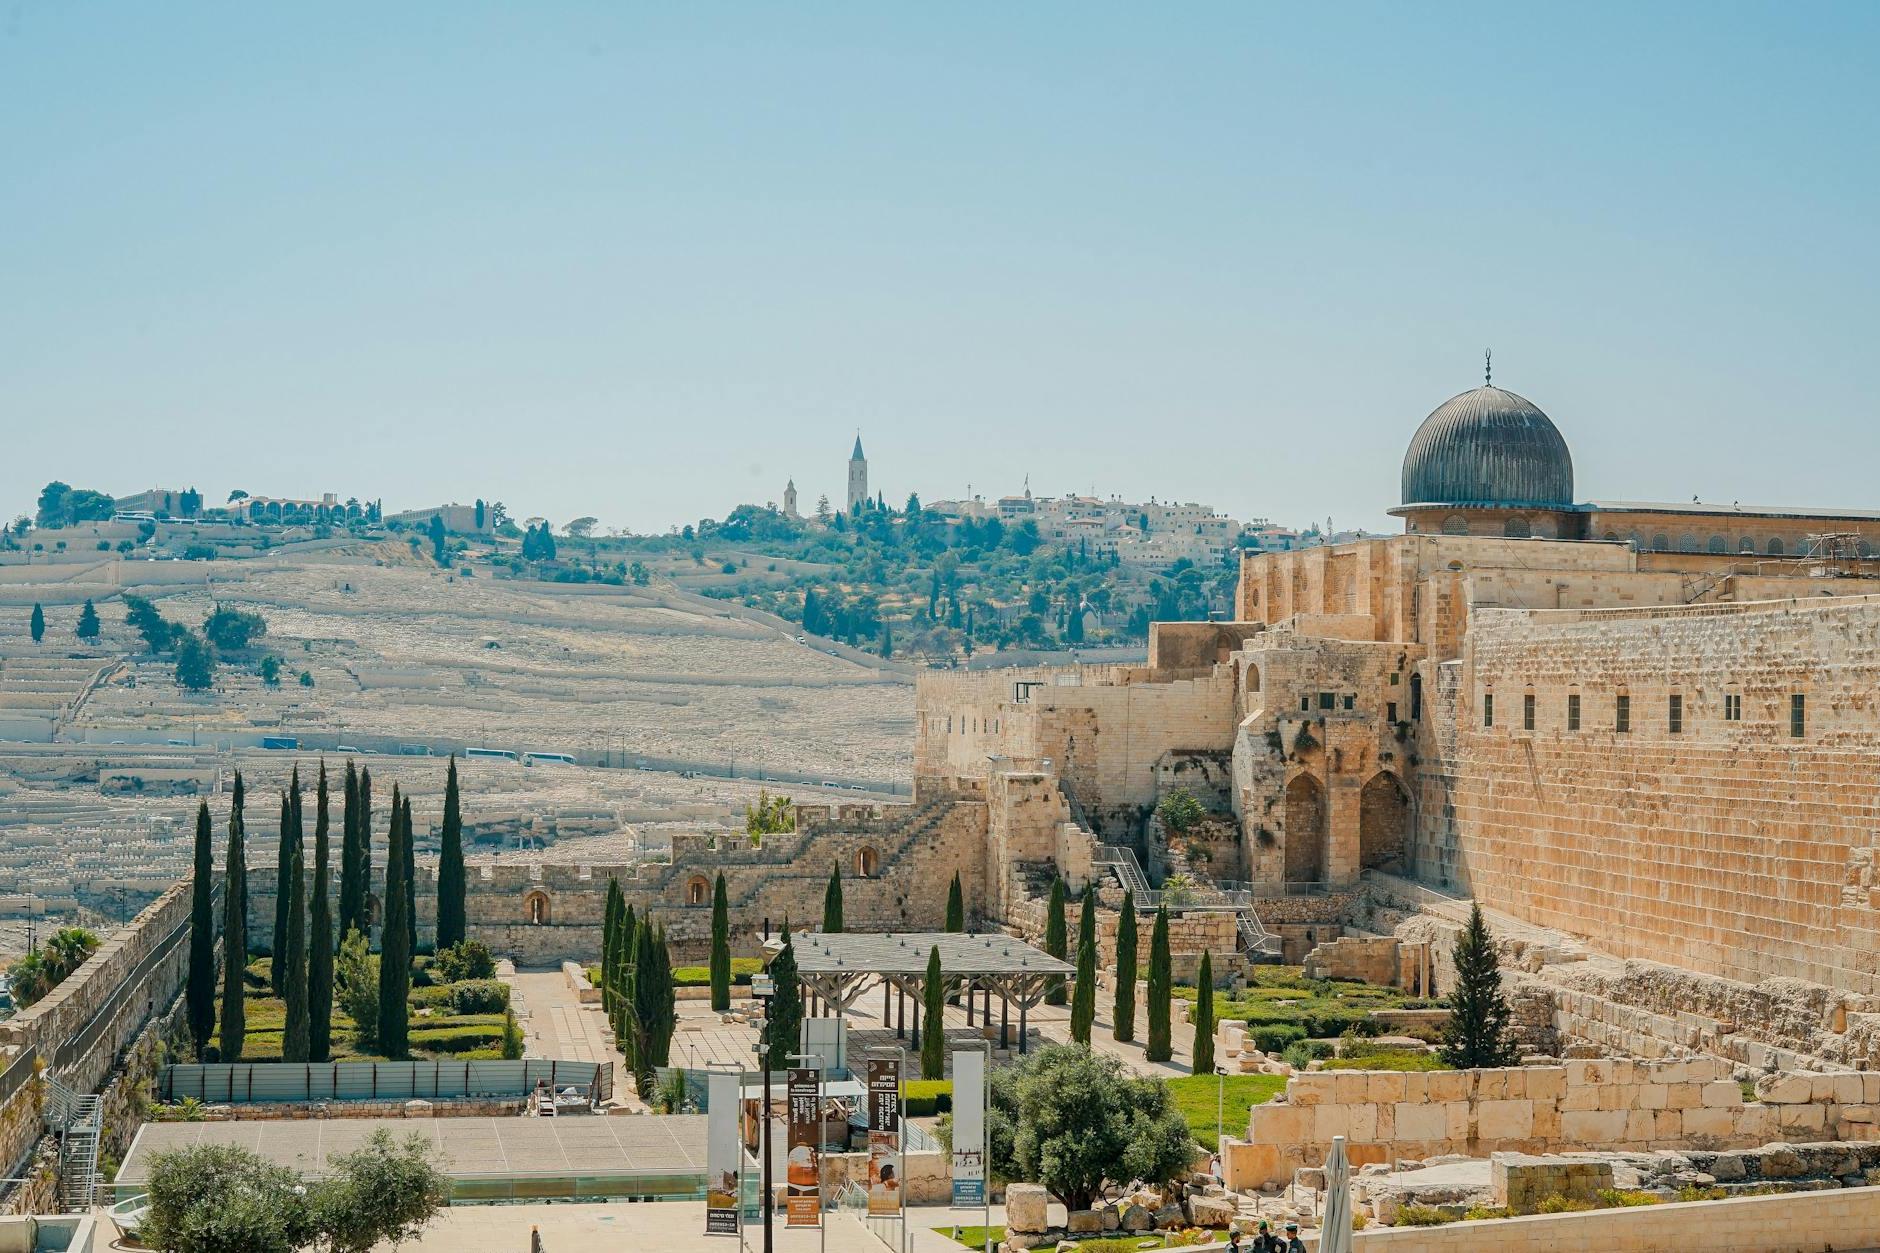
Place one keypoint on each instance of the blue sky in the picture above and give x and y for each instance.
(644, 262)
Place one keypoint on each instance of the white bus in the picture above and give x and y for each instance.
(560, 759)
(503, 753)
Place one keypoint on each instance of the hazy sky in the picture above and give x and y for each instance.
(646, 261)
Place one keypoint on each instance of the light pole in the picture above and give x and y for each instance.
(762, 989)
(1220, 1108)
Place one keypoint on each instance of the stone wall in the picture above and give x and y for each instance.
(1800, 1222)
(1727, 846)
(1589, 1104)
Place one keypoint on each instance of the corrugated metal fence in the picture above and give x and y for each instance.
(379, 1081)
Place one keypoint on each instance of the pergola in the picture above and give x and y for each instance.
(839, 968)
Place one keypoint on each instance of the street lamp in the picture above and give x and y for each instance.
(762, 989)
(1220, 1114)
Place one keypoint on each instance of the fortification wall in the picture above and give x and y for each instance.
(1727, 846)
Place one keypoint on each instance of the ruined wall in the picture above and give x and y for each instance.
(1728, 846)
(1594, 1104)
(892, 858)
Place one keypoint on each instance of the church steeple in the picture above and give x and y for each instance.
(857, 454)
(858, 477)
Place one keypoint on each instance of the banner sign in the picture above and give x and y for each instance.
(969, 1129)
(803, 1168)
(723, 1154)
(884, 1135)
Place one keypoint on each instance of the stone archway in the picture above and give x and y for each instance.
(1383, 823)
(1305, 830)
(535, 909)
(698, 891)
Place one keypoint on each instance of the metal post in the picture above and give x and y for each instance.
(1005, 1013)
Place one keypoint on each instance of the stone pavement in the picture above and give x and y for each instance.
(555, 1024)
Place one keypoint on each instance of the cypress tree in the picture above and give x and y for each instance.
(351, 893)
(721, 947)
(933, 1041)
(320, 942)
(832, 902)
(1161, 987)
(956, 906)
(1204, 1016)
(234, 933)
(784, 1024)
(363, 918)
(450, 877)
(1084, 996)
(411, 883)
(291, 962)
(201, 997)
(283, 869)
(1124, 1028)
(87, 628)
(610, 918)
(38, 623)
(395, 950)
(643, 1010)
(626, 936)
(1477, 1032)
(1055, 939)
(662, 999)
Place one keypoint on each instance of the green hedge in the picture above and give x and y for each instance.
(926, 1097)
(1274, 1037)
(742, 968)
(456, 1039)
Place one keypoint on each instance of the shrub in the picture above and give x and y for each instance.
(1276, 1037)
(1301, 1053)
(927, 1097)
(1422, 1216)
(479, 996)
(1476, 1213)
(742, 968)
(1691, 1192)
(1625, 1198)
(1557, 1204)
(466, 959)
(460, 1039)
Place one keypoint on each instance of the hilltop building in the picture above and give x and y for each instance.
(858, 477)
(789, 500)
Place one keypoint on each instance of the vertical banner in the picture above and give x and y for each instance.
(884, 1136)
(969, 1129)
(723, 1154)
(803, 1168)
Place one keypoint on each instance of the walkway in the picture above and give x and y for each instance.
(555, 1024)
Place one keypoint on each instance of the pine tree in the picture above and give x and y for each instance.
(1161, 987)
(395, 950)
(201, 999)
(409, 845)
(38, 624)
(1477, 1032)
(832, 902)
(1055, 939)
(290, 960)
(450, 875)
(721, 947)
(87, 628)
(1124, 1019)
(320, 942)
(933, 1040)
(784, 1023)
(234, 933)
(351, 890)
(1084, 996)
(956, 906)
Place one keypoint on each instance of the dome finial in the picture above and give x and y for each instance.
(1488, 367)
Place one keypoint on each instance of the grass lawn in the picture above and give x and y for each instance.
(974, 1237)
(1388, 1059)
(435, 1032)
(1195, 1097)
(1320, 1008)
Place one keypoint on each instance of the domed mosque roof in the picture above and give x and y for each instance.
(1488, 447)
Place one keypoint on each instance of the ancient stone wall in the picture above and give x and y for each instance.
(1591, 1104)
(1718, 843)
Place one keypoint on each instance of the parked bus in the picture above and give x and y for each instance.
(560, 759)
(280, 741)
(504, 753)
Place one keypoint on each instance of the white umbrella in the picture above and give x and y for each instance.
(1335, 1227)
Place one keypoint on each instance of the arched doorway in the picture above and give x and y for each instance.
(1305, 830)
(535, 908)
(867, 862)
(698, 891)
(1383, 823)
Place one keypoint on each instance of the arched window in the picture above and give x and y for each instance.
(1612, 535)
(1775, 548)
(1661, 543)
(867, 862)
(535, 908)
(1687, 543)
(1455, 524)
(1746, 545)
(697, 891)
(1253, 678)
(1866, 549)
(1718, 544)
(1516, 528)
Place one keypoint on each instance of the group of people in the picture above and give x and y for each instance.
(1265, 1241)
